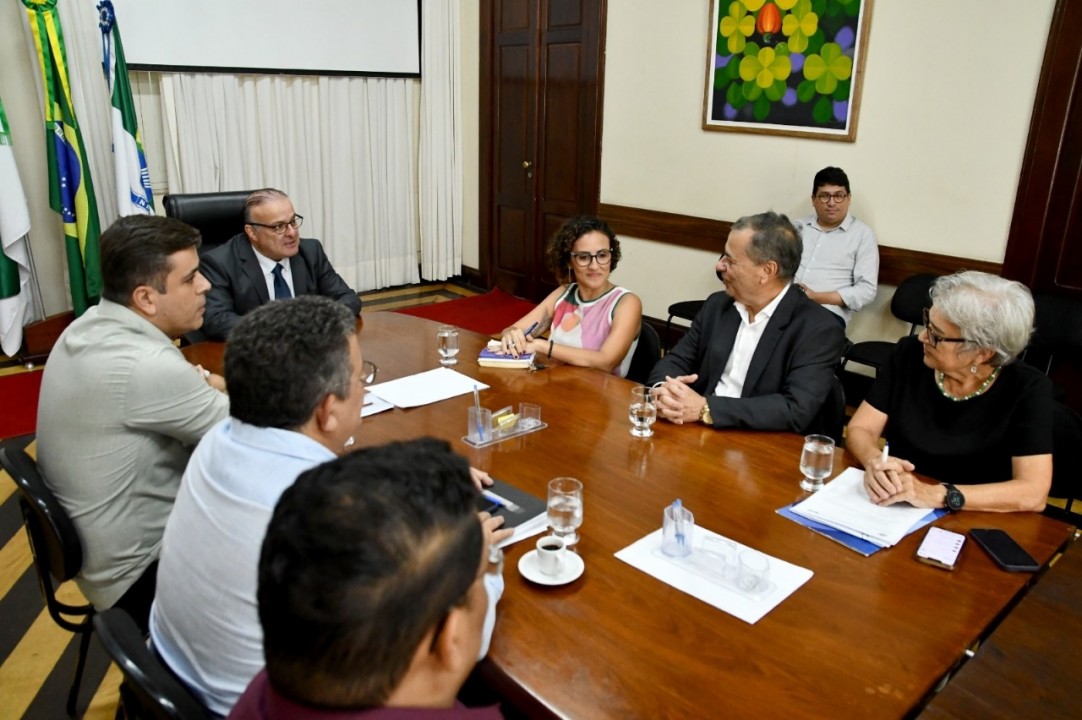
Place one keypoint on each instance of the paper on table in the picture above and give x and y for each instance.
(843, 504)
(681, 574)
(426, 387)
(536, 526)
(373, 405)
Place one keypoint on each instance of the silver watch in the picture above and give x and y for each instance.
(495, 557)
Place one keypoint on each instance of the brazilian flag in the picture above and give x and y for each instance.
(71, 192)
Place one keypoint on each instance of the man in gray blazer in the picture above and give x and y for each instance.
(760, 355)
(268, 261)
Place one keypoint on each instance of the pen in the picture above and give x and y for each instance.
(477, 414)
(530, 329)
(500, 501)
(678, 521)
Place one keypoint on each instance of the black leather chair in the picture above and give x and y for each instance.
(57, 551)
(647, 353)
(1058, 325)
(149, 689)
(1066, 461)
(830, 420)
(685, 310)
(908, 304)
(217, 216)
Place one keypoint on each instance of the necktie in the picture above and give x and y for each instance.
(281, 290)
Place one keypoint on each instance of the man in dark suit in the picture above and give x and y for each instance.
(268, 261)
(760, 355)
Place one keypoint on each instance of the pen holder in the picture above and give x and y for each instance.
(479, 425)
(678, 525)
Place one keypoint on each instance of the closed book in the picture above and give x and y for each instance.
(516, 506)
(487, 358)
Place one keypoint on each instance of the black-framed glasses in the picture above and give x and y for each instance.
(280, 228)
(934, 338)
(583, 259)
(838, 197)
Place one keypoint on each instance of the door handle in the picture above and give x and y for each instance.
(526, 164)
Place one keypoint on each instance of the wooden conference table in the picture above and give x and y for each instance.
(865, 637)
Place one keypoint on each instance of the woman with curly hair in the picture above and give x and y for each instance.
(590, 321)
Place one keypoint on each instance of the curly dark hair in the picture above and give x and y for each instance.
(558, 251)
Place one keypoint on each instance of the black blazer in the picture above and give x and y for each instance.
(238, 285)
(790, 373)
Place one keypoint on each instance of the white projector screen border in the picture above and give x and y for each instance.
(379, 38)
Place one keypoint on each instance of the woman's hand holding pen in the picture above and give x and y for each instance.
(515, 341)
(887, 479)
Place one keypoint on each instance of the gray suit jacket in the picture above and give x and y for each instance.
(238, 285)
(790, 373)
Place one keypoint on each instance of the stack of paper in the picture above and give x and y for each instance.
(843, 504)
(426, 387)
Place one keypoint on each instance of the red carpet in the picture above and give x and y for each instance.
(488, 313)
(19, 403)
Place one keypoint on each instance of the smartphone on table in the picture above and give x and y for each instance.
(1006, 553)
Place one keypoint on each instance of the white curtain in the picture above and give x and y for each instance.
(441, 142)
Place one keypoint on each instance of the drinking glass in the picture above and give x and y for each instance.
(565, 508)
(447, 343)
(643, 412)
(816, 461)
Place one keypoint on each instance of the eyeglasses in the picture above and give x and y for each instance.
(368, 372)
(838, 197)
(280, 228)
(934, 338)
(583, 259)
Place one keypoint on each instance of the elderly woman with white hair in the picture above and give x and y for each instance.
(955, 407)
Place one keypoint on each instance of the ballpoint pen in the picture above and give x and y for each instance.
(477, 414)
(531, 328)
(678, 522)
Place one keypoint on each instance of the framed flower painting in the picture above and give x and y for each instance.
(786, 67)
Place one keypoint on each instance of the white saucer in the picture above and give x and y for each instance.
(573, 568)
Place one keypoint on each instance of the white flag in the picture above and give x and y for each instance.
(14, 265)
(132, 177)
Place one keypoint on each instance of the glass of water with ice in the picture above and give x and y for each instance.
(447, 343)
(643, 412)
(565, 508)
(816, 461)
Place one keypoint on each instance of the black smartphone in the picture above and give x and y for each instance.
(1008, 554)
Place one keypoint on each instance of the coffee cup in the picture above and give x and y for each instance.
(551, 555)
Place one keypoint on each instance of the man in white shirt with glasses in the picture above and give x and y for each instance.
(268, 261)
(839, 268)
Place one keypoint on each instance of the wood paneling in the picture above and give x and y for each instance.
(895, 264)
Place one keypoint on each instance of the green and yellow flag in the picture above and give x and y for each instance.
(71, 192)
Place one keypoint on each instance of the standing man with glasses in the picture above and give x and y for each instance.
(268, 261)
(840, 265)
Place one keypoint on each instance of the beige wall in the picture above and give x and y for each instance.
(941, 133)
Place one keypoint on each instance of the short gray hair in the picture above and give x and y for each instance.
(990, 312)
(773, 237)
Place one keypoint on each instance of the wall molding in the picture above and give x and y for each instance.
(895, 264)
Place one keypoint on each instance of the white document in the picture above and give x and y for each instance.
(843, 504)
(373, 405)
(528, 529)
(426, 387)
(697, 575)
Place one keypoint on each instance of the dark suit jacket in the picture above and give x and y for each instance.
(238, 285)
(790, 373)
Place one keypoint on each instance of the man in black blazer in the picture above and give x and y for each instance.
(269, 260)
(760, 355)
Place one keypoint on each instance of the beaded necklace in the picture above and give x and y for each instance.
(979, 391)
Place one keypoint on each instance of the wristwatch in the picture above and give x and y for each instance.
(705, 416)
(955, 500)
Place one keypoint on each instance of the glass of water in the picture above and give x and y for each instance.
(565, 509)
(816, 461)
(643, 412)
(447, 343)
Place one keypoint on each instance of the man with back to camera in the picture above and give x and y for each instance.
(268, 261)
(297, 386)
(371, 590)
(839, 268)
(760, 355)
(120, 407)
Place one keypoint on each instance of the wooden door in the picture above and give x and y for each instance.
(541, 71)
